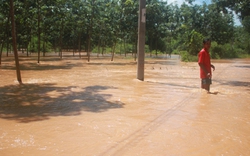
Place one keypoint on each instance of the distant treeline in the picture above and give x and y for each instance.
(98, 25)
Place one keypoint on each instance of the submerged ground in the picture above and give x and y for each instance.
(71, 107)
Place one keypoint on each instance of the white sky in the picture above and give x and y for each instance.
(199, 2)
(179, 2)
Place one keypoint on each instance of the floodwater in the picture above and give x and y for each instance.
(71, 107)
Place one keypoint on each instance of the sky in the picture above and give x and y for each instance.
(200, 2)
(179, 2)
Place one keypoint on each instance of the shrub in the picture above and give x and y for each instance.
(215, 51)
(186, 57)
(224, 51)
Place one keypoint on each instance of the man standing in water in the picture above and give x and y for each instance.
(205, 65)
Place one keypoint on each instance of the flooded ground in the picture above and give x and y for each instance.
(72, 107)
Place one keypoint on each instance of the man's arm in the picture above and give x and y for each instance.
(204, 69)
(212, 66)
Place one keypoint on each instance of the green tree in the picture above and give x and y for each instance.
(157, 24)
(129, 22)
(241, 7)
(5, 25)
(221, 25)
(195, 43)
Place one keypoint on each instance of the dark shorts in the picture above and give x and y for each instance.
(205, 82)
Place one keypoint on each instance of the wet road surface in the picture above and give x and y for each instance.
(72, 107)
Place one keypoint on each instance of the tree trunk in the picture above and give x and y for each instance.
(1, 50)
(124, 44)
(151, 45)
(248, 46)
(156, 45)
(14, 42)
(79, 44)
(60, 40)
(7, 48)
(29, 41)
(74, 47)
(39, 31)
(90, 30)
(98, 46)
(103, 48)
(89, 46)
(44, 44)
(113, 51)
(89, 40)
(27, 50)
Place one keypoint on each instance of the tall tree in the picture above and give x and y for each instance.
(220, 25)
(38, 28)
(19, 79)
(241, 7)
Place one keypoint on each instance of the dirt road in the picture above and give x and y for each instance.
(72, 107)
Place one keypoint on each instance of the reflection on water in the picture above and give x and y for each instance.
(71, 107)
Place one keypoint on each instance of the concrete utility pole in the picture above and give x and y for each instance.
(141, 39)
(14, 42)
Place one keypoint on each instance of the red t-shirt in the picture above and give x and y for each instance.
(204, 58)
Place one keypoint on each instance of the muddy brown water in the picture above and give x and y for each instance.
(72, 107)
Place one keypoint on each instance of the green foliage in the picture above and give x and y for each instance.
(229, 51)
(158, 44)
(195, 43)
(214, 54)
(244, 56)
(170, 28)
(177, 52)
(223, 51)
(241, 7)
(33, 45)
(246, 23)
(186, 57)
